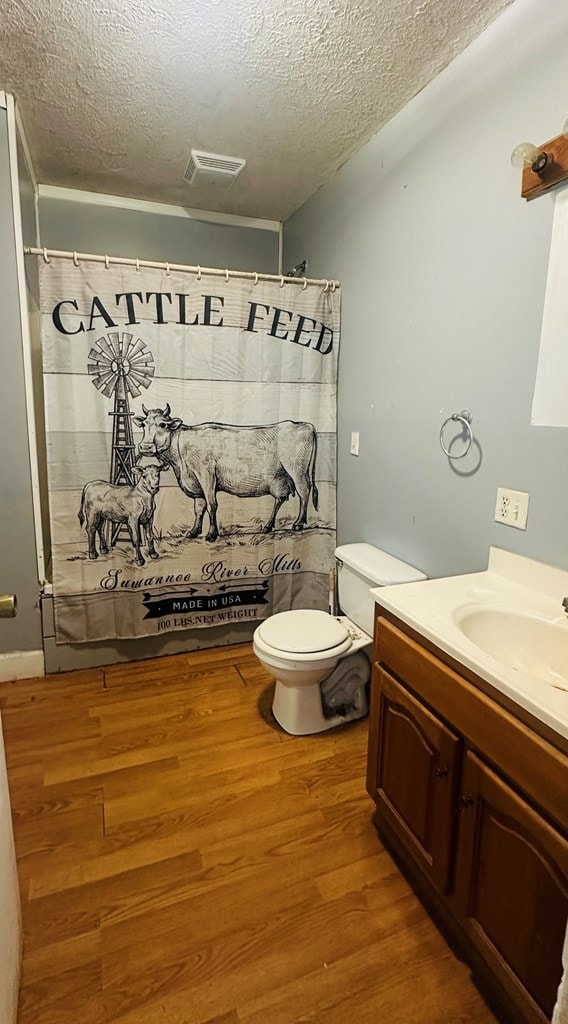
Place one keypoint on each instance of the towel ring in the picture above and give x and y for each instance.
(464, 417)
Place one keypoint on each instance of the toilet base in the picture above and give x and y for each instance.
(298, 709)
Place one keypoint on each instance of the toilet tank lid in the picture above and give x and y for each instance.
(376, 565)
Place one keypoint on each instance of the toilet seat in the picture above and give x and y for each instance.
(303, 631)
(303, 635)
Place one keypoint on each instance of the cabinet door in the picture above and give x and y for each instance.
(415, 777)
(512, 888)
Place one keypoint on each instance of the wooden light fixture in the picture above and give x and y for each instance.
(544, 167)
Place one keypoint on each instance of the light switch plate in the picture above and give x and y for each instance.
(354, 450)
(511, 508)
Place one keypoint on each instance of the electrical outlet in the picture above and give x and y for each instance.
(354, 450)
(512, 508)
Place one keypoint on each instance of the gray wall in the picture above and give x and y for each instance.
(18, 571)
(443, 271)
(30, 236)
(27, 199)
(152, 236)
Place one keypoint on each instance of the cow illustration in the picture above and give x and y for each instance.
(133, 505)
(277, 459)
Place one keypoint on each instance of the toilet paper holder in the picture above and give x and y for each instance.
(8, 606)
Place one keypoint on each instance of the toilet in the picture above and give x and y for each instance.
(303, 647)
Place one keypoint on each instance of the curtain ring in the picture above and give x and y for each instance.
(326, 289)
(199, 273)
(137, 266)
(305, 284)
(45, 256)
(75, 260)
(227, 275)
(256, 278)
(281, 285)
(106, 262)
(333, 286)
(167, 269)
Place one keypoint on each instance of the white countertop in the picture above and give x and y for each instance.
(519, 604)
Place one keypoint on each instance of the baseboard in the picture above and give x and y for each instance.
(21, 665)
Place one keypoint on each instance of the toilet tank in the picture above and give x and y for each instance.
(360, 567)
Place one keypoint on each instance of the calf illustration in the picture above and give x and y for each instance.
(134, 505)
(277, 459)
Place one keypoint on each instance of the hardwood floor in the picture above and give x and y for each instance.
(182, 860)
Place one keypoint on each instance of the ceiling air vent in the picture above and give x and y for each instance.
(212, 169)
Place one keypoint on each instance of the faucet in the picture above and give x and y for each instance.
(565, 605)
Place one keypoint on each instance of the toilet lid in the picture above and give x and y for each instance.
(303, 631)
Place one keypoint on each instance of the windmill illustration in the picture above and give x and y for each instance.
(121, 366)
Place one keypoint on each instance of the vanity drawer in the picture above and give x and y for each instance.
(538, 769)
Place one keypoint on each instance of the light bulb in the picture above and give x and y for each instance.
(527, 155)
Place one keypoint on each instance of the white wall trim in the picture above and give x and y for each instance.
(2, 100)
(76, 195)
(21, 665)
(26, 339)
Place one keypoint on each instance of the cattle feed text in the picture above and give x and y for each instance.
(189, 311)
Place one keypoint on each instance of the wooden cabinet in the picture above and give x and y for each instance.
(511, 883)
(477, 803)
(415, 778)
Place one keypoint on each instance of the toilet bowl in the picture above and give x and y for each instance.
(300, 649)
(305, 648)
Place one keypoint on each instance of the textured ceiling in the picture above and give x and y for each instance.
(113, 96)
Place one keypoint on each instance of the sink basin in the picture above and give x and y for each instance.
(526, 643)
(505, 625)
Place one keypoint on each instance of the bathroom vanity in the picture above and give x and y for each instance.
(468, 764)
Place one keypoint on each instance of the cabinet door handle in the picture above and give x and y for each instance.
(466, 800)
(441, 772)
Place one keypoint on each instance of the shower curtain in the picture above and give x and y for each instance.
(191, 439)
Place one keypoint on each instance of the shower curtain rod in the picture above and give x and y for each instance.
(197, 270)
